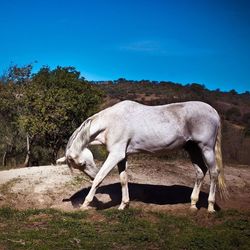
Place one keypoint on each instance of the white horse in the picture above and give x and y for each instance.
(129, 127)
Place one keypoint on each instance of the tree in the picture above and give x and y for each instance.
(19, 75)
(10, 108)
(55, 103)
(233, 114)
(246, 118)
(233, 92)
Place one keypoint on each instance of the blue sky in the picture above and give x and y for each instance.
(184, 41)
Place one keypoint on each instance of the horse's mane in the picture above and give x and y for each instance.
(83, 132)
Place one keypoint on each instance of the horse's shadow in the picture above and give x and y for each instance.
(146, 193)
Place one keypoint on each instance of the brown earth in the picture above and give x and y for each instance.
(154, 184)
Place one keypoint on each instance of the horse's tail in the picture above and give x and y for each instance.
(218, 155)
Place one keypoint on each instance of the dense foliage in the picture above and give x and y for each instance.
(42, 110)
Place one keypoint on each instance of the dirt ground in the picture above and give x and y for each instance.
(154, 184)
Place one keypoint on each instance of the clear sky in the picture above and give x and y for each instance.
(184, 41)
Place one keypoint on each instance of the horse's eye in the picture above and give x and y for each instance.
(69, 160)
(83, 164)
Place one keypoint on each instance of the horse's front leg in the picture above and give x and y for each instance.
(122, 167)
(113, 159)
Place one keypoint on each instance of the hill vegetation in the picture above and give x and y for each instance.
(233, 108)
(40, 111)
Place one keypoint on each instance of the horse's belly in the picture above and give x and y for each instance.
(154, 145)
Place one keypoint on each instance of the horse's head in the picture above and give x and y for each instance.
(83, 161)
(77, 154)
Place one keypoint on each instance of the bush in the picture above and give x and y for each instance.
(233, 114)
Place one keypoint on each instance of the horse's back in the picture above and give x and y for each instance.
(188, 110)
(164, 126)
(182, 115)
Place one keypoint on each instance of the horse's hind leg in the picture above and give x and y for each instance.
(200, 170)
(122, 167)
(209, 157)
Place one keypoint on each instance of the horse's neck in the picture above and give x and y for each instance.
(97, 126)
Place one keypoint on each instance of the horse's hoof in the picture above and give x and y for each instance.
(211, 208)
(211, 211)
(85, 208)
(123, 206)
(193, 208)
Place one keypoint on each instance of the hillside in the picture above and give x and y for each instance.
(233, 108)
(40, 111)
